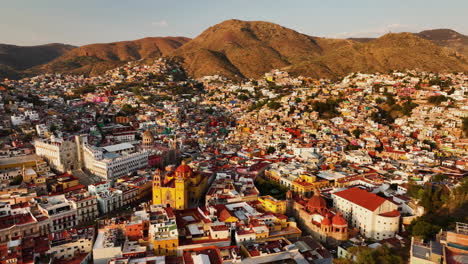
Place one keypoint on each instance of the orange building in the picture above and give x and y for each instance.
(322, 222)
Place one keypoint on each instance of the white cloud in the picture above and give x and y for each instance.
(378, 31)
(161, 23)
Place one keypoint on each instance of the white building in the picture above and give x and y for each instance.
(108, 245)
(114, 161)
(62, 213)
(10, 174)
(358, 157)
(41, 130)
(86, 206)
(32, 115)
(109, 162)
(374, 216)
(17, 120)
(61, 154)
(108, 199)
(70, 243)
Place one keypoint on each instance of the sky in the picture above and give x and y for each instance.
(34, 22)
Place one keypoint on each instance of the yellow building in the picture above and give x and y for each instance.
(271, 204)
(40, 180)
(179, 187)
(162, 231)
(28, 174)
(303, 187)
(166, 247)
(308, 178)
(304, 184)
(28, 161)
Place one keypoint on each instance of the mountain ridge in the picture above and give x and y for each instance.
(14, 58)
(248, 49)
(96, 58)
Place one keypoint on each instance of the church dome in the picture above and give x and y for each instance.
(338, 220)
(183, 170)
(148, 138)
(326, 222)
(316, 202)
(328, 214)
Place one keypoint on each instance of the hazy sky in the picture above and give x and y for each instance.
(78, 22)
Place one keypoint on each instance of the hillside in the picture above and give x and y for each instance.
(14, 59)
(97, 58)
(245, 49)
(442, 37)
(447, 38)
(249, 48)
(391, 51)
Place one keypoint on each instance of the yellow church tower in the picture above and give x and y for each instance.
(180, 193)
(157, 197)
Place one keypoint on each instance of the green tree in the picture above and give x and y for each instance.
(437, 99)
(274, 105)
(382, 116)
(379, 100)
(270, 187)
(53, 128)
(414, 190)
(271, 150)
(366, 255)
(327, 108)
(407, 107)
(136, 91)
(17, 180)
(357, 132)
(421, 228)
(128, 110)
(243, 97)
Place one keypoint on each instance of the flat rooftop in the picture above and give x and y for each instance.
(118, 147)
(19, 159)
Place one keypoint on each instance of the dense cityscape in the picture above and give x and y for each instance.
(143, 164)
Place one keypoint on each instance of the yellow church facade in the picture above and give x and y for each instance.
(179, 188)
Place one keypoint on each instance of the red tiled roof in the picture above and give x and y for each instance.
(219, 228)
(338, 220)
(224, 215)
(316, 202)
(19, 219)
(211, 251)
(361, 197)
(326, 221)
(74, 188)
(393, 213)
